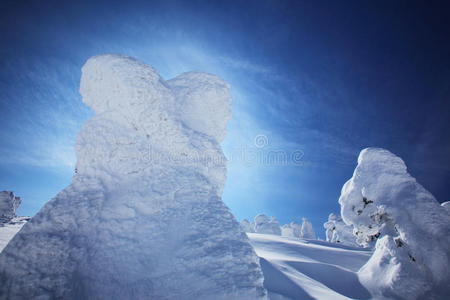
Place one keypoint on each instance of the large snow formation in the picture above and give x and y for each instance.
(143, 217)
(8, 205)
(412, 231)
(336, 231)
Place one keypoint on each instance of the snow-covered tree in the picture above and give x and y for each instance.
(247, 226)
(143, 217)
(292, 229)
(336, 231)
(8, 205)
(307, 230)
(267, 225)
(412, 232)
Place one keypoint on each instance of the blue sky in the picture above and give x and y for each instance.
(321, 78)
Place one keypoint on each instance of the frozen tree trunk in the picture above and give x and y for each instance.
(412, 231)
(143, 217)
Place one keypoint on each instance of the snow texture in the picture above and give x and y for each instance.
(143, 217)
(307, 231)
(412, 232)
(336, 231)
(446, 206)
(9, 229)
(8, 206)
(301, 269)
(264, 224)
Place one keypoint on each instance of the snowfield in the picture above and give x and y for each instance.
(301, 269)
(9, 230)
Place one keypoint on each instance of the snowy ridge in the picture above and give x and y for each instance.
(143, 217)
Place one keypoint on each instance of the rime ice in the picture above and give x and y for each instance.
(143, 217)
(411, 230)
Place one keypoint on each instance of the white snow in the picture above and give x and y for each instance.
(336, 231)
(446, 206)
(310, 269)
(292, 229)
(412, 232)
(9, 229)
(143, 217)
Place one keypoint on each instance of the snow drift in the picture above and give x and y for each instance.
(143, 217)
(412, 231)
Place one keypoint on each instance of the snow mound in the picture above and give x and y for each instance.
(143, 217)
(336, 231)
(8, 205)
(310, 269)
(385, 204)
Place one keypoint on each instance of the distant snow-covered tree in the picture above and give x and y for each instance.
(264, 224)
(8, 205)
(307, 230)
(247, 226)
(292, 229)
(386, 205)
(336, 231)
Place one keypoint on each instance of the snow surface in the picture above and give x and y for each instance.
(301, 269)
(412, 232)
(9, 229)
(143, 217)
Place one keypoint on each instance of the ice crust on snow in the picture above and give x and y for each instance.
(386, 205)
(143, 217)
(8, 205)
(336, 231)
